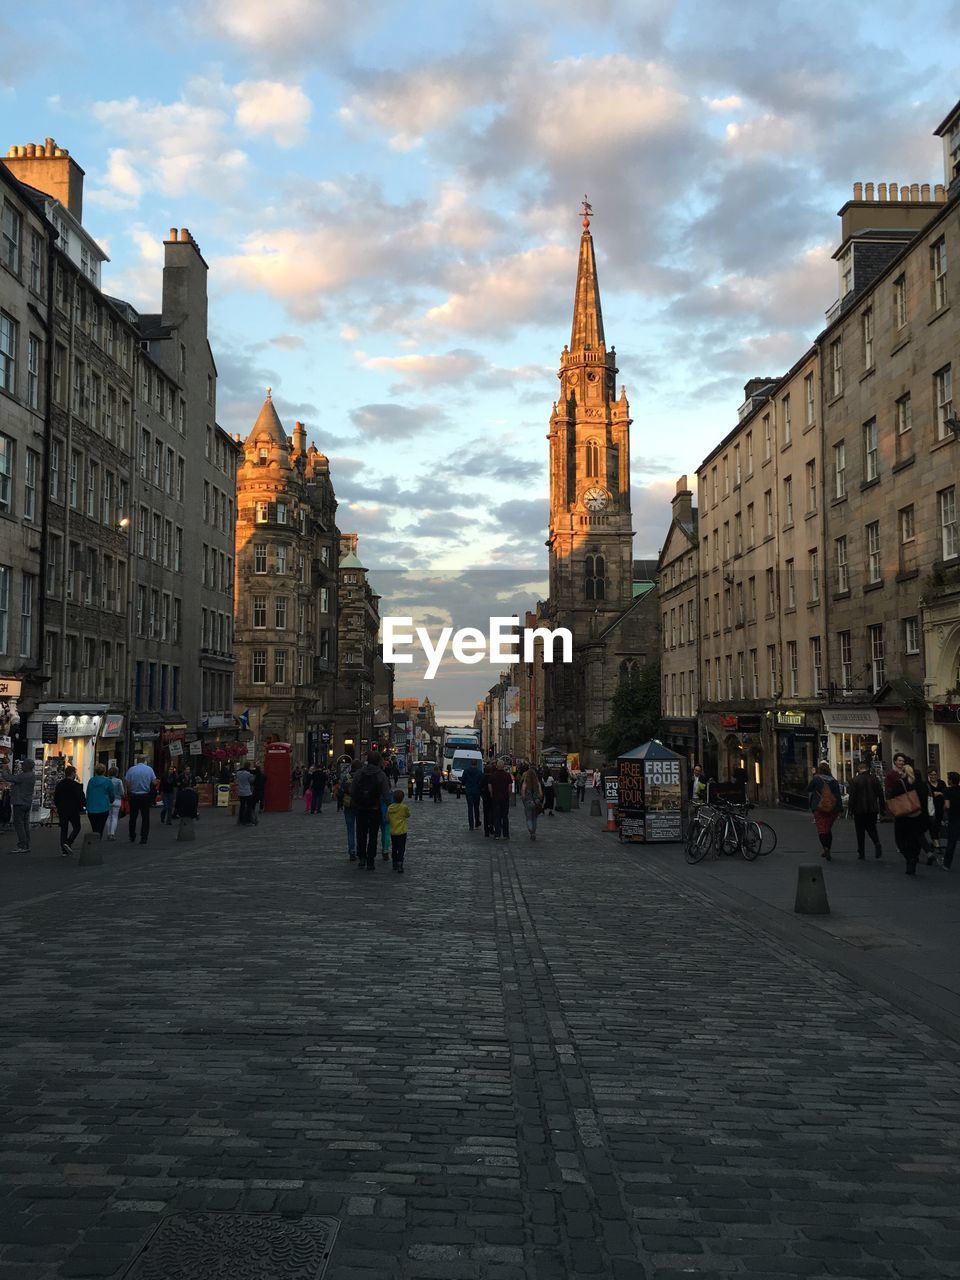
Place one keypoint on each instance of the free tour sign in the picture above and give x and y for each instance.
(650, 794)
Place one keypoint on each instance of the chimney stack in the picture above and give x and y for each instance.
(682, 503)
(299, 438)
(49, 169)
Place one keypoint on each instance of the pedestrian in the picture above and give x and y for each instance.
(865, 804)
(418, 780)
(597, 779)
(695, 775)
(369, 789)
(581, 785)
(532, 794)
(471, 778)
(318, 785)
(398, 815)
(140, 780)
(501, 784)
(259, 787)
(22, 784)
(900, 790)
(951, 813)
(548, 793)
(486, 798)
(394, 771)
(113, 817)
(99, 799)
(244, 781)
(349, 812)
(825, 800)
(936, 801)
(69, 799)
(436, 785)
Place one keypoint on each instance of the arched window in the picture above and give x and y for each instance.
(593, 458)
(593, 575)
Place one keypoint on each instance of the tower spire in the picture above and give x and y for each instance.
(587, 331)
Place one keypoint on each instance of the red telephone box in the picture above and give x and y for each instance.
(278, 766)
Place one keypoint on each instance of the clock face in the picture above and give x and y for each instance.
(595, 499)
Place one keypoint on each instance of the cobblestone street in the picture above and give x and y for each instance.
(551, 1060)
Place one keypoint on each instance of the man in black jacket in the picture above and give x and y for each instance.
(865, 802)
(369, 790)
(69, 799)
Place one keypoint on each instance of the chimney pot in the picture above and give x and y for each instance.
(173, 233)
(50, 145)
(893, 191)
(858, 191)
(925, 191)
(882, 191)
(915, 191)
(939, 193)
(184, 235)
(31, 149)
(869, 191)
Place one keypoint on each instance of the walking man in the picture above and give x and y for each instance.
(865, 803)
(369, 789)
(140, 780)
(418, 779)
(501, 784)
(69, 798)
(244, 780)
(21, 800)
(471, 778)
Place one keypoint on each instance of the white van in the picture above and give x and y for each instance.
(461, 759)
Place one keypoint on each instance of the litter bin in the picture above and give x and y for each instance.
(563, 792)
(223, 795)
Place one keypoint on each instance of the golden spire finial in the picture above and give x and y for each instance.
(587, 211)
(269, 393)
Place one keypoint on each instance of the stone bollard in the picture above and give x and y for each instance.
(185, 831)
(811, 892)
(91, 851)
(595, 810)
(576, 799)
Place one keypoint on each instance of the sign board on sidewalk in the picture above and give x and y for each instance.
(196, 748)
(175, 748)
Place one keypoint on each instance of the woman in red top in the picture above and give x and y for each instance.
(907, 827)
(825, 804)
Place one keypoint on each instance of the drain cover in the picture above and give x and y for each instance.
(235, 1246)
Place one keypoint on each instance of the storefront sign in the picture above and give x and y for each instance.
(173, 733)
(10, 688)
(6, 742)
(750, 724)
(143, 733)
(218, 721)
(112, 727)
(196, 748)
(50, 731)
(175, 749)
(610, 787)
(728, 722)
(791, 718)
(851, 719)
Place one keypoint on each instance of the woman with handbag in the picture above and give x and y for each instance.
(900, 790)
(826, 804)
(531, 794)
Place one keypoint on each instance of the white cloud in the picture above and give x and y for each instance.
(285, 30)
(394, 421)
(268, 107)
(495, 296)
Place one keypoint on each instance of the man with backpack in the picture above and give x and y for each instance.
(369, 789)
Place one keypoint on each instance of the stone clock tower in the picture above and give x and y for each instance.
(591, 538)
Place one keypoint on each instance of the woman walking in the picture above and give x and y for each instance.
(531, 793)
(900, 789)
(116, 802)
(825, 804)
(99, 799)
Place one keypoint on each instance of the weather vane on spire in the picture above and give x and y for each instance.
(587, 212)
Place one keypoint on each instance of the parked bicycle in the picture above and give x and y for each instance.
(727, 828)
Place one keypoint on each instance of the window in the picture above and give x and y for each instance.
(846, 272)
(846, 661)
(177, 635)
(793, 668)
(178, 549)
(813, 562)
(54, 544)
(949, 540)
(165, 545)
(4, 607)
(808, 396)
(767, 438)
(900, 301)
(751, 525)
(738, 534)
(811, 473)
(281, 613)
(258, 667)
(593, 458)
(787, 420)
(866, 330)
(90, 506)
(259, 557)
(31, 471)
(938, 271)
(6, 474)
(11, 237)
(74, 477)
(908, 539)
(158, 463)
(816, 664)
(59, 373)
(262, 514)
(713, 485)
(843, 569)
(594, 571)
(875, 639)
(8, 353)
(873, 551)
(168, 473)
(33, 371)
(943, 393)
(787, 501)
(728, 671)
(772, 669)
(56, 467)
(790, 568)
(737, 474)
(749, 453)
(281, 558)
(180, 476)
(904, 420)
(726, 475)
(79, 380)
(726, 539)
(768, 513)
(281, 513)
(836, 367)
(36, 261)
(754, 675)
(154, 620)
(871, 452)
(771, 593)
(911, 635)
(106, 499)
(727, 609)
(279, 666)
(752, 599)
(706, 677)
(324, 602)
(155, 536)
(741, 682)
(259, 612)
(839, 470)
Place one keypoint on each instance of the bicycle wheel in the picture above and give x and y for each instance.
(768, 838)
(728, 841)
(697, 844)
(750, 841)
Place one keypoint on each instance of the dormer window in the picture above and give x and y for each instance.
(263, 456)
(846, 272)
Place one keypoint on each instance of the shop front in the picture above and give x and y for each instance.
(736, 749)
(797, 755)
(11, 738)
(853, 735)
(61, 734)
(680, 735)
(110, 741)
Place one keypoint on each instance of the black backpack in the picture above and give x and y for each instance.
(365, 790)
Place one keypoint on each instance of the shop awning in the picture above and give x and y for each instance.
(851, 720)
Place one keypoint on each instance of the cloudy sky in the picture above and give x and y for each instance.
(387, 197)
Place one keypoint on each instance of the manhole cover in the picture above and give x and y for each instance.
(236, 1246)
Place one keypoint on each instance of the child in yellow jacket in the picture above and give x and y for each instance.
(398, 815)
